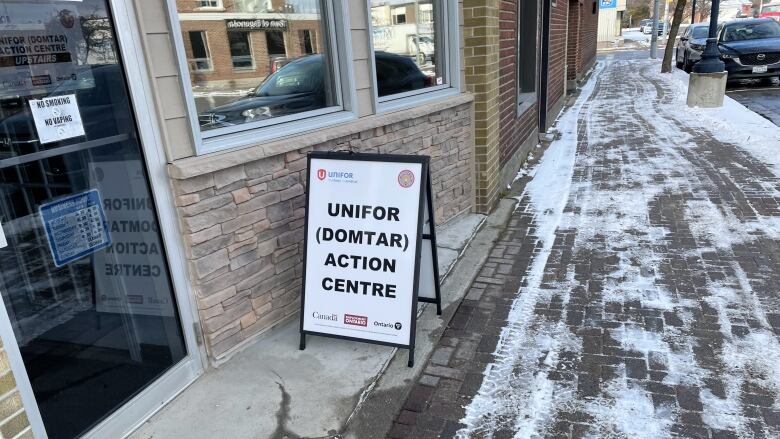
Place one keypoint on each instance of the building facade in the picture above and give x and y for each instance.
(153, 161)
(610, 20)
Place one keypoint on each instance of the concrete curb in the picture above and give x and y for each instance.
(382, 400)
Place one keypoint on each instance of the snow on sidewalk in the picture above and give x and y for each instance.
(651, 305)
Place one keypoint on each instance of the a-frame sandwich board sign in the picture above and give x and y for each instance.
(430, 288)
(362, 247)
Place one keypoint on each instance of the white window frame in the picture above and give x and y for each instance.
(220, 139)
(251, 55)
(218, 7)
(205, 37)
(449, 26)
(394, 14)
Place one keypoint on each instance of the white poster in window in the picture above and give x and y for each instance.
(131, 275)
(3, 241)
(57, 118)
(49, 46)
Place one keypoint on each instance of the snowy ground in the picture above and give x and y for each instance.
(650, 304)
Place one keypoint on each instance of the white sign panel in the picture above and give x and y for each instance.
(49, 46)
(3, 242)
(361, 249)
(57, 118)
(131, 275)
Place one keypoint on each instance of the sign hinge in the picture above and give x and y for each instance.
(198, 333)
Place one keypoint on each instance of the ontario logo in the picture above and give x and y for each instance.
(406, 178)
(349, 319)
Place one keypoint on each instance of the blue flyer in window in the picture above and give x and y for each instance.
(75, 226)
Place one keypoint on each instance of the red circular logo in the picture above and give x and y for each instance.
(406, 178)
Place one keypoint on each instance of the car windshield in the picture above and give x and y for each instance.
(751, 31)
(771, 8)
(294, 78)
(700, 32)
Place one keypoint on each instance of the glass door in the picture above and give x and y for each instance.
(83, 272)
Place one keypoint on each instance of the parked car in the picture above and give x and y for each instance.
(647, 23)
(648, 29)
(770, 11)
(299, 86)
(691, 46)
(750, 48)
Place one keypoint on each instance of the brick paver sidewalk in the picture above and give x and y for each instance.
(634, 293)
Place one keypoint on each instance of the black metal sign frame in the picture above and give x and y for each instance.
(425, 186)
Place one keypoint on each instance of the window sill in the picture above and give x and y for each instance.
(415, 100)
(251, 136)
(313, 135)
(525, 102)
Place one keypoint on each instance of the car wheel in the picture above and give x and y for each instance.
(677, 59)
(687, 66)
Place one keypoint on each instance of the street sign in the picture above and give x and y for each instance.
(362, 247)
(607, 4)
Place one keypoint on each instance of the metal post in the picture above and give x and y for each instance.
(693, 12)
(654, 31)
(666, 17)
(710, 59)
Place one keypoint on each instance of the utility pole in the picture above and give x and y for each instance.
(666, 17)
(654, 31)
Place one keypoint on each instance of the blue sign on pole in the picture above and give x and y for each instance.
(607, 4)
(75, 226)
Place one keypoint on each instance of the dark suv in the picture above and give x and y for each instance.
(750, 48)
(300, 86)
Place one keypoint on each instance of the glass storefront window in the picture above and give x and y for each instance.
(280, 65)
(84, 277)
(408, 45)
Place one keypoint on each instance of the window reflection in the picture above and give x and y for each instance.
(406, 41)
(248, 59)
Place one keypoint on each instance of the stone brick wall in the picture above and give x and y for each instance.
(481, 61)
(244, 226)
(13, 418)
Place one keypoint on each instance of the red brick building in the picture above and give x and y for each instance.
(521, 59)
(583, 35)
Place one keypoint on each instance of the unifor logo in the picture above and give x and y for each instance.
(761, 57)
(406, 178)
(321, 174)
